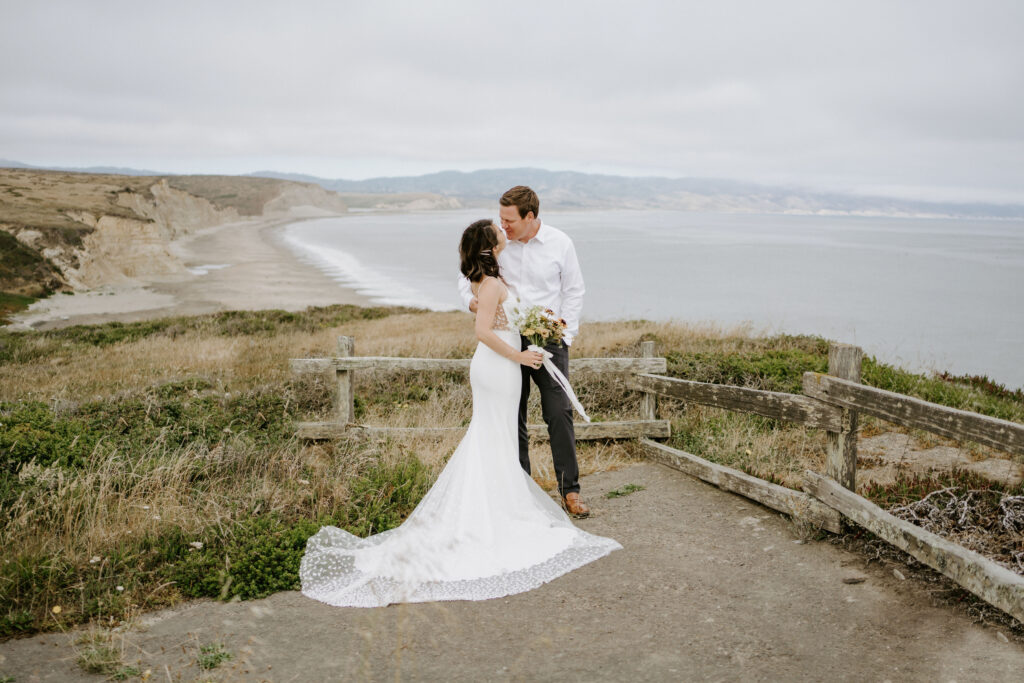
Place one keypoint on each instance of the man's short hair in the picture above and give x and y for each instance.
(523, 198)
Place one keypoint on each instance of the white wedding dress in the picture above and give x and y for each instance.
(484, 530)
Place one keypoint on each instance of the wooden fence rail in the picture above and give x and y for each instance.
(992, 583)
(913, 412)
(585, 431)
(793, 503)
(791, 407)
(833, 402)
(344, 364)
(576, 365)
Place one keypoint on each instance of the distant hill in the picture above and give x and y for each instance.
(574, 190)
(104, 170)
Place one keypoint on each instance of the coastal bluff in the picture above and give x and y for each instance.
(64, 231)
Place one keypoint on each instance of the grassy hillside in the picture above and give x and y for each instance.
(143, 464)
(244, 193)
(42, 199)
(24, 274)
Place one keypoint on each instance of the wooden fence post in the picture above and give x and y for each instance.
(649, 400)
(344, 405)
(844, 361)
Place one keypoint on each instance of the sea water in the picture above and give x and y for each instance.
(926, 294)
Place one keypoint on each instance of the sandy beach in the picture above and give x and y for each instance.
(235, 266)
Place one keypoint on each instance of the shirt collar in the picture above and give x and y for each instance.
(542, 233)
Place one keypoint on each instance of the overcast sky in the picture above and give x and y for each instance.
(911, 98)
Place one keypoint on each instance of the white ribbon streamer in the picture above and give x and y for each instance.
(560, 379)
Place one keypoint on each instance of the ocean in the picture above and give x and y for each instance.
(926, 294)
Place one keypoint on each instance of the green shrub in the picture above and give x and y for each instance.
(773, 369)
(30, 431)
(17, 621)
(261, 556)
(212, 656)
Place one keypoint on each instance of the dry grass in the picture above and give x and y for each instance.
(41, 199)
(124, 494)
(81, 519)
(84, 521)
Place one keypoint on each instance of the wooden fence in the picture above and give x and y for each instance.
(833, 402)
(345, 364)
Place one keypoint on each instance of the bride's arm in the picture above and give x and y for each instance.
(488, 296)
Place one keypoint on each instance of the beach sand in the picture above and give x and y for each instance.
(235, 266)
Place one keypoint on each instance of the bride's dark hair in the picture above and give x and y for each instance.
(476, 251)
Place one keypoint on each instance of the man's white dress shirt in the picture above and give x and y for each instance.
(543, 272)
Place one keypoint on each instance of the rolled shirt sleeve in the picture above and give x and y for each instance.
(465, 291)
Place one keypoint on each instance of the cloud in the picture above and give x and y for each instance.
(924, 95)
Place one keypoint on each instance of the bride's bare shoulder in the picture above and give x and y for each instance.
(492, 284)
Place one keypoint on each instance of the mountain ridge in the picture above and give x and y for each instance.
(578, 190)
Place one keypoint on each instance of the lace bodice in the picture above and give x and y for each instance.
(501, 317)
(504, 312)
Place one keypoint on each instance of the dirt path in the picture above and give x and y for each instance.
(709, 586)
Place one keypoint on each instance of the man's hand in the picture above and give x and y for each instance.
(474, 303)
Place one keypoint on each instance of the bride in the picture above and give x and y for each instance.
(485, 529)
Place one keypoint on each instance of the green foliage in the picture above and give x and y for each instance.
(30, 431)
(624, 490)
(985, 385)
(385, 495)
(15, 257)
(771, 369)
(187, 412)
(15, 622)
(252, 558)
(23, 268)
(261, 556)
(212, 656)
(12, 303)
(982, 397)
(778, 364)
(265, 556)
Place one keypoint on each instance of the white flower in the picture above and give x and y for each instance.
(198, 545)
(120, 589)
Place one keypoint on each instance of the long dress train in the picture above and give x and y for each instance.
(484, 530)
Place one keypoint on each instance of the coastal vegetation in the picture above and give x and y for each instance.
(142, 464)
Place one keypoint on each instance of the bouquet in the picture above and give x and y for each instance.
(541, 328)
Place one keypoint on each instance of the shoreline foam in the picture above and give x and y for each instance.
(253, 270)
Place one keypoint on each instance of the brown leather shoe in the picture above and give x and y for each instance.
(574, 506)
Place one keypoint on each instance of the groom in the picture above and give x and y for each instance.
(540, 264)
